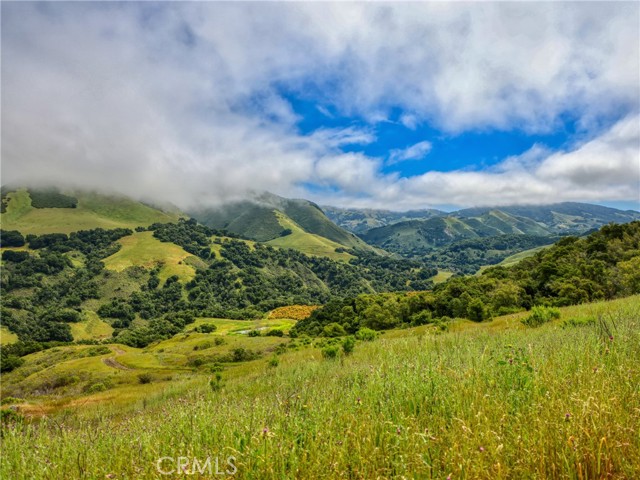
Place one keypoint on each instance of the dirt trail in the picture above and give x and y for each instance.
(113, 363)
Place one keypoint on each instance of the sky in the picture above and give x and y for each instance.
(379, 105)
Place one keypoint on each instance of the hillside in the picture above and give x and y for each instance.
(601, 266)
(568, 217)
(149, 285)
(565, 393)
(419, 237)
(55, 212)
(360, 220)
(258, 219)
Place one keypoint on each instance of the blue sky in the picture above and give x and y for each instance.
(398, 106)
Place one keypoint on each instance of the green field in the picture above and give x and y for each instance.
(6, 336)
(491, 400)
(513, 259)
(92, 327)
(143, 250)
(442, 276)
(305, 242)
(93, 211)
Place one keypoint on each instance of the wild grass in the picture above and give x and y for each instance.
(306, 242)
(91, 327)
(442, 276)
(477, 402)
(93, 211)
(144, 250)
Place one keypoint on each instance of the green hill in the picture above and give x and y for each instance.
(420, 237)
(258, 219)
(359, 220)
(74, 211)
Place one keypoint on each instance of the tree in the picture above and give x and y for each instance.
(476, 310)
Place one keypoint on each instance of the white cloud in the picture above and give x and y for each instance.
(182, 101)
(416, 151)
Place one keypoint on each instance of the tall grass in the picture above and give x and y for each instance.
(549, 402)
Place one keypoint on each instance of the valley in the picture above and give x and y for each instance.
(113, 327)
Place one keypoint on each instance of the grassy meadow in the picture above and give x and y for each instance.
(144, 250)
(93, 211)
(306, 242)
(494, 400)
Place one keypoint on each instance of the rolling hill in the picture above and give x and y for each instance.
(361, 220)
(415, 237)
(73, 211)
(264, 218)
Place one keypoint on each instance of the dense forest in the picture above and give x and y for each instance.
(59, 277)
(603, 265)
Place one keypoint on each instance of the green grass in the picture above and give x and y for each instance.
(92, 327)
(143, 250)
(441, 276)
(7, 337)
(494, 400)
(93, 211)
(515, 258)
(305, 242)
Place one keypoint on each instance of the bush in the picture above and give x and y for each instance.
(11, 238)
(203, 346)
(14, 256)
(96, 387)
(333, 330)
(206, 328)
(541, 315)
(273, 362)
(332, 351)
(145, 378)
(421, 318)
(348, 344)
(366, 334)
(275, 333)
(254, 333)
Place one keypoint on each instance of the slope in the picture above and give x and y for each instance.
(308, 243)
(257, 219)
(93, 210)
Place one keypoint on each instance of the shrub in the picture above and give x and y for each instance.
(11, 238)
(145, 378)
(275, 333)
(334, 330)
(348, 344)
(421, 318)
(10, 400)
(95, 388)
(219, 341)
(206, 328)
(332, 351)
(541, 315)
(216, 382)
(254, 333)
(366, 334)
(273, 362)
(203, 346)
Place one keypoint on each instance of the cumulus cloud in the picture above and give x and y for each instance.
(183, 101)
(606, 167)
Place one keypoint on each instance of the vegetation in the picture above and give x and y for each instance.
(51, 198)
(492, 400)
(603, 265)
(92, 211)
